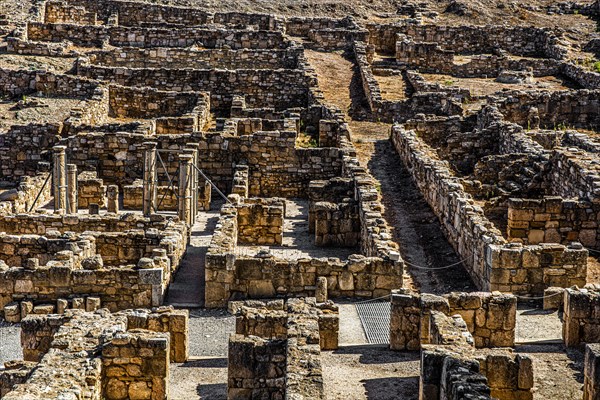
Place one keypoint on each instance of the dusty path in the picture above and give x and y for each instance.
(204, 375)
(415, 227)
(557, 372)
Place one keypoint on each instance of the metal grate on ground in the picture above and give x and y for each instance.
(375, 319)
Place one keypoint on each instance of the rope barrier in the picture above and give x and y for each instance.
(371, 300)
(539, 297)
(40, 192)
(431, 268)
(517, 296)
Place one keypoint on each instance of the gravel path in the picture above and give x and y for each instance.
(204, 379)
(209, 332)
(10, 342)
(204, 376)
(351, 329)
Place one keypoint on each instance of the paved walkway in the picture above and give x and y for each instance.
(187, 289)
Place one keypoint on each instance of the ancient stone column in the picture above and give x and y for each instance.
(192, 148)
(184, 208)
(112, 193)
(149, 193)
(72, 200)
(59, 179)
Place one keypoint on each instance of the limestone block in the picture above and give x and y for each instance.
(92, 304)
(61, 306)
(553, 298)
(26, 309)
(78, 303)
(12, 312)
(43, 309)
(525, 365)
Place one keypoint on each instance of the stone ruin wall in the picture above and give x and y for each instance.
(258, 277)
(573, 174)
(260, 221)
(580, 319)
(489, 259)
(579, 108)
(123, 373)
(144, 103)
(553, 220)
(125, 36)
(132, 57)
(90, 190)
(57, 12)
(437, 103)
(40, 224)
(287, 173)
(276, 356)
(129, 13)
(268, 319)
(489, 317)
(65, 268)
(333, 213)
(280, 89)
(22, 198)
(119, 288)
(451, 369)
(16, 250)
(520, 41)
(429, 57)
(591, 368)
(126, 354)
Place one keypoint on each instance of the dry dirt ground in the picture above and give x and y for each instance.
(486, 87)
(370, 372)
(10, 343)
